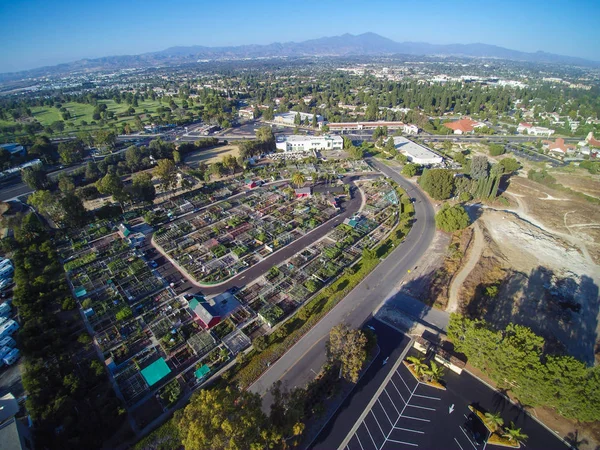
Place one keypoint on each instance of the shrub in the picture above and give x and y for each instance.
(453, 218)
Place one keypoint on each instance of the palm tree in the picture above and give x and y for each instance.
(418, 365)
(514, 434)
(434, 372)
(494, 420)
(298, 179)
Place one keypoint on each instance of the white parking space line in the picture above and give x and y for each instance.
(398, 391)
(409, 430)
(467, 436)
(370, 435)
(415, 418)
(403, 380)
(422, 407)
(385, 412)
(427, 396)
(461, 448)
(402, 442)
(375, 417)
(358, 439)
(391, 401)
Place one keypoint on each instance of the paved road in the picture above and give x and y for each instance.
(300, 364)
(11, 191)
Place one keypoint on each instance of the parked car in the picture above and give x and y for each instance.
(8, 342)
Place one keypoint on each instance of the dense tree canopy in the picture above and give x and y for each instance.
(439, 183)
(452, 218)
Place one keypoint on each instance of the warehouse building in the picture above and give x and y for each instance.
(416, 153)
(296, 143)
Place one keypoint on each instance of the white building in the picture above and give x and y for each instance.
(527, 128)
(289, 118)
(416, 153)
(297, 143)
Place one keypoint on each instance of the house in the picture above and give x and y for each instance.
(124, 230)
(211, 312)
(14, 435)
(204, 311)
(416, 153)
(247, 112)
(296, 143)
(591, 141)
(527, 128)
(559, 147)
(250, 184)
(464, 126)
(303, 192)
(14, 149)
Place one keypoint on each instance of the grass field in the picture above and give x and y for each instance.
(213, 155)
(79, 111)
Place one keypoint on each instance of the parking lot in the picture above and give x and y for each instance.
(409, 414)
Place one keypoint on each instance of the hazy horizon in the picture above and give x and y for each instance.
(60, 32)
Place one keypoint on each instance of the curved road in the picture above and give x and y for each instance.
(304, 360)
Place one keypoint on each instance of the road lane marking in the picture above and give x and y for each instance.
(403, 380)
(461, 448)
(358, 439)
(370, 435)
(391, 401)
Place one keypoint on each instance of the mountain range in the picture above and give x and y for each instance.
(367, 44)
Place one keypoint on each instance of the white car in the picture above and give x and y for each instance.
(11, 357)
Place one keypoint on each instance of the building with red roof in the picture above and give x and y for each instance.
(559, 147)
(464, 126)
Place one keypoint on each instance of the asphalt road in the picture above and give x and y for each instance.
(17, 189)
(304, 360)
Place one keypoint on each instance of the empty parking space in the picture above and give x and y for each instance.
(400, 417)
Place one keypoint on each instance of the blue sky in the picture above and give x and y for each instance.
(37, 33)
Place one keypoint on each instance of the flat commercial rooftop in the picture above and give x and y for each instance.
(156, 371)
(415, 150)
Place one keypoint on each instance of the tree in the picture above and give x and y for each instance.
(356, 152)
(447, 145)
(418, 365)
(452, 218)
(75, 212)
(35, 178)
(70, 152)
(176, 157)
(110, 184)
(227, 419)
(65, 184)
(166, 172)
(496, 149)
(514, 434)
(105, 139)
(511, 165)
(298, 179)
(479, 167)
(230, 163)
(434, 372)
(143, 189)
(410, 169)
(133, 158)
(298, 119)
(495, 420)
(347, 347)
(390, 147)
(217, 169)
(439, 183)
(47, 203)
(91, 171)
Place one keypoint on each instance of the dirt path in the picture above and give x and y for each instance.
(460, 278)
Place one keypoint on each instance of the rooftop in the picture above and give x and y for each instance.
(465, 125)
(413, 149)
(156, 371)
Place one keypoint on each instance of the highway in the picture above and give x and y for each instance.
(304, 360)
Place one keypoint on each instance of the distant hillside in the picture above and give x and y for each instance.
(368, 44)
